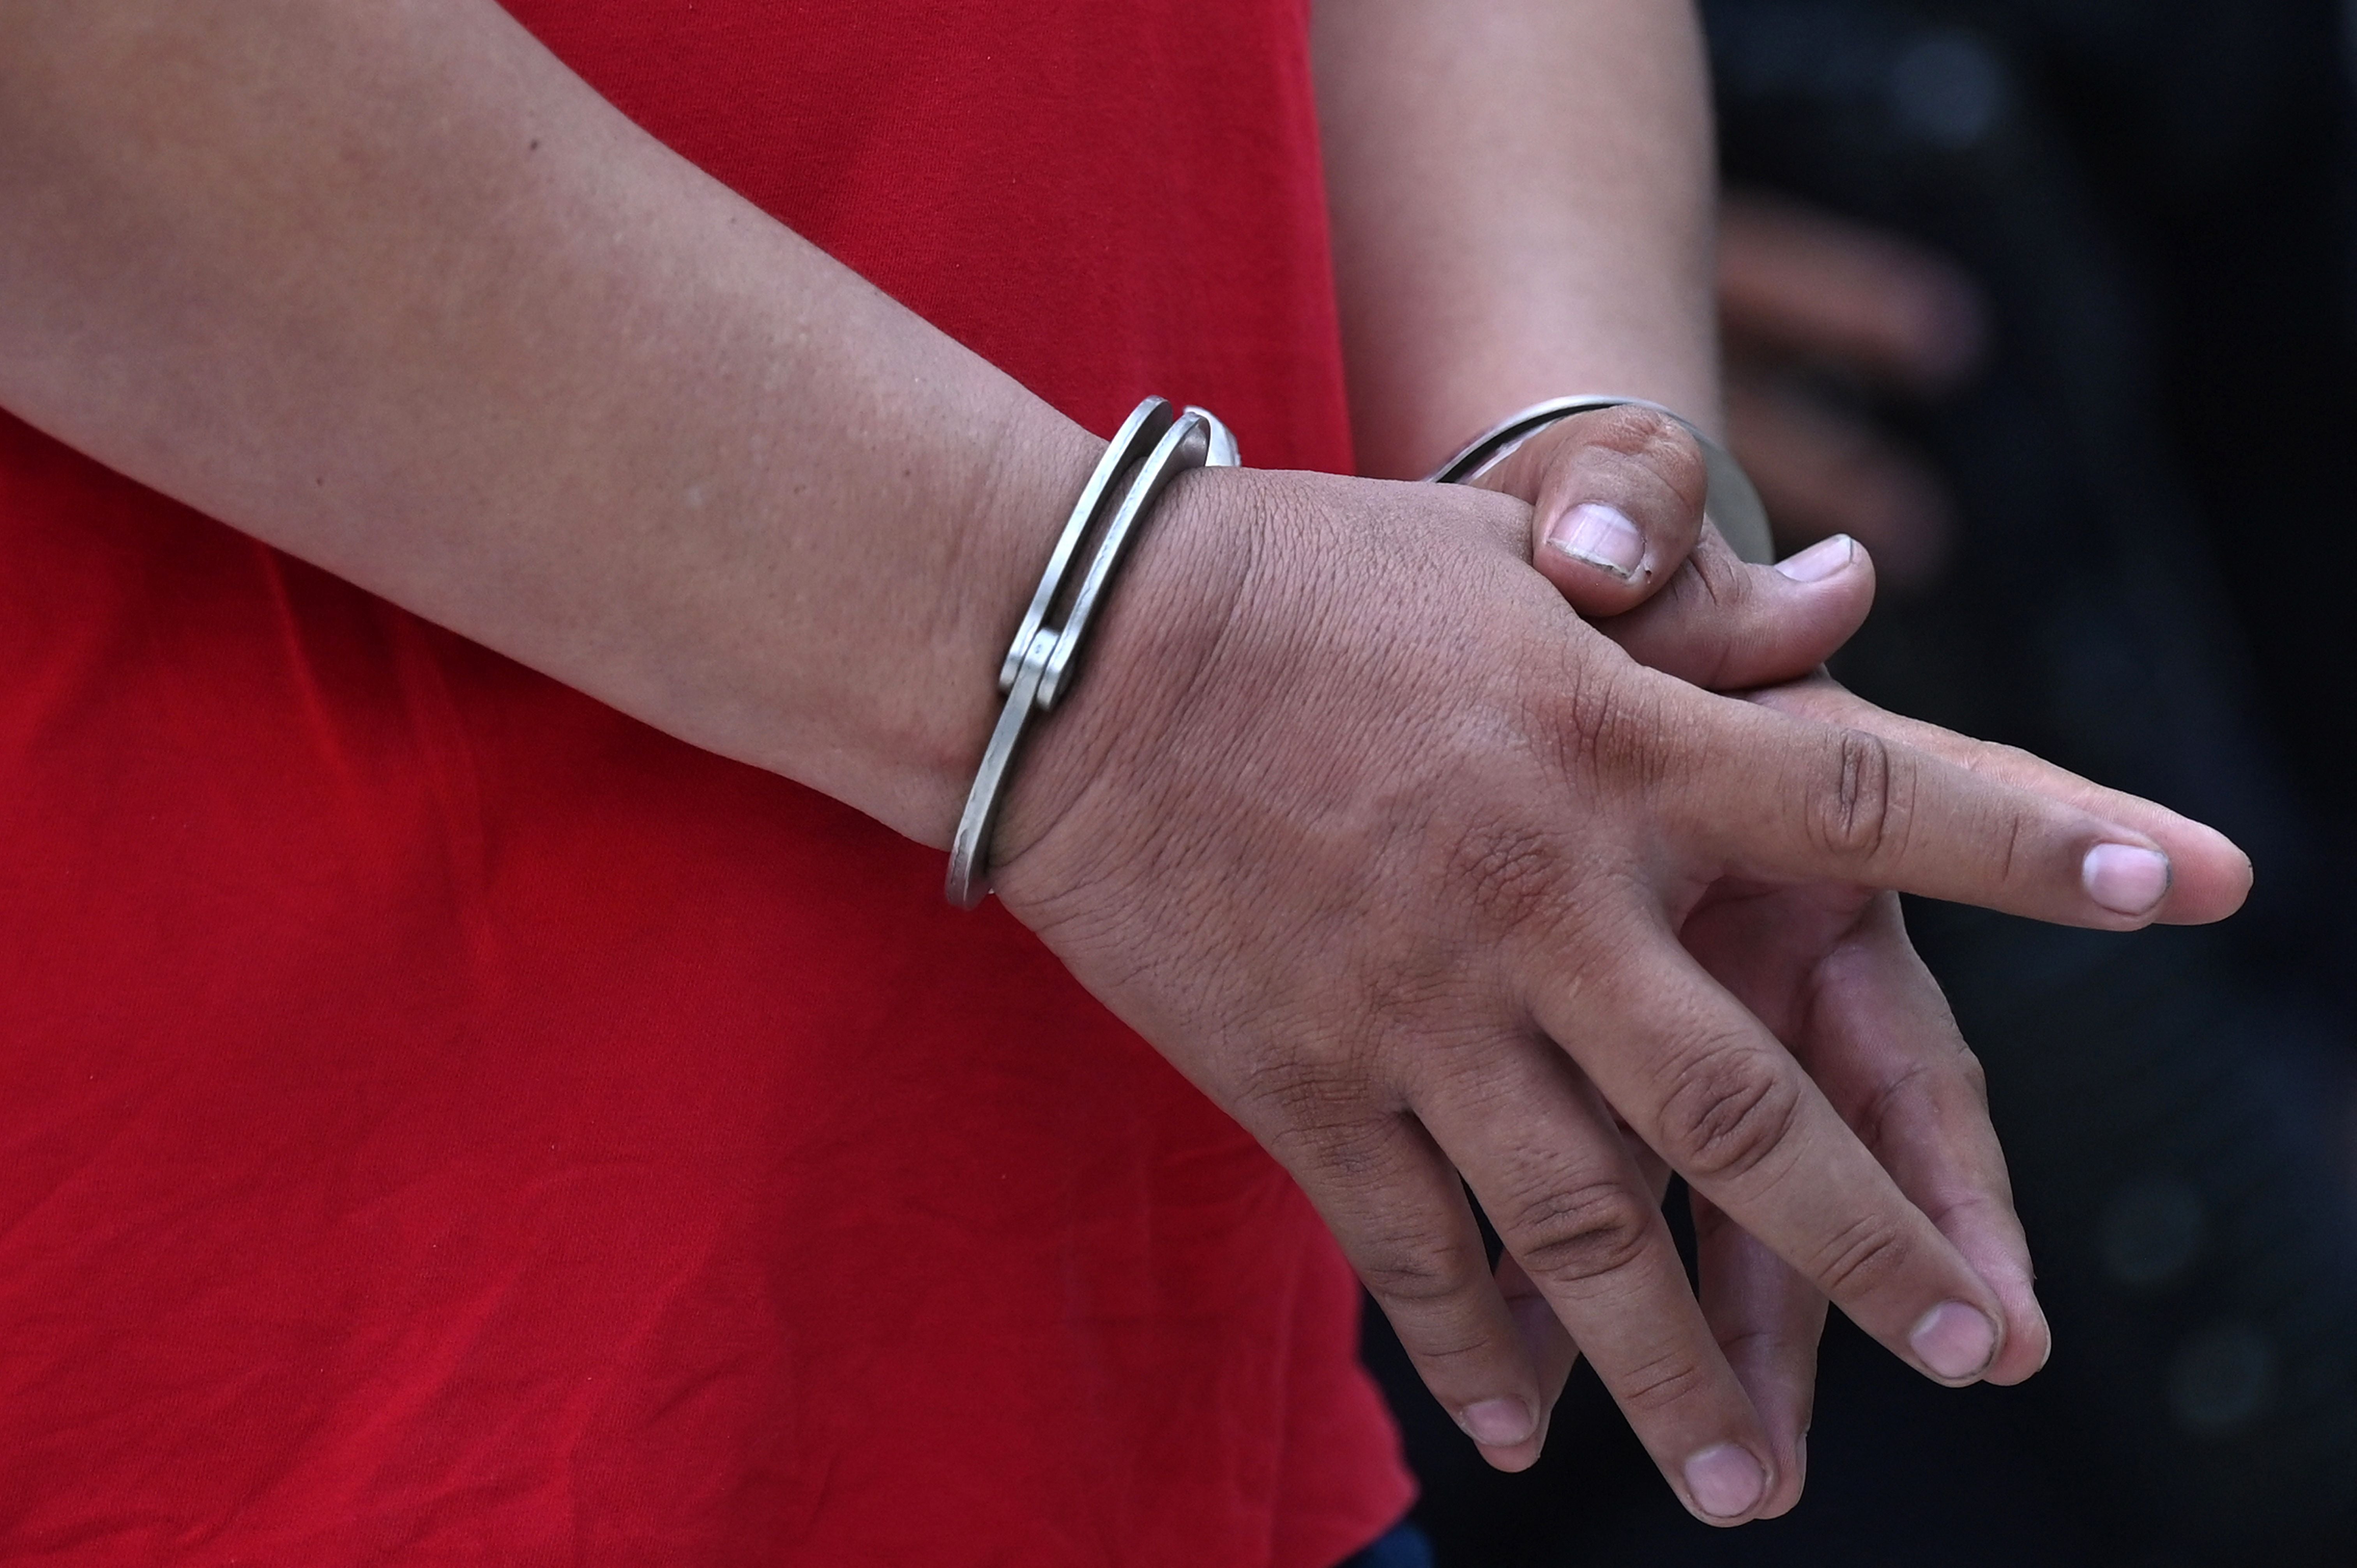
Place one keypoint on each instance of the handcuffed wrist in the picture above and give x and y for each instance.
(1732, 503)
(1154, 445)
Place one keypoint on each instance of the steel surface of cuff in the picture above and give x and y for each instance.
(1731, 501)
(1154, 445)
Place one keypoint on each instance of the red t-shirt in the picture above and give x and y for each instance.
(444, 1121)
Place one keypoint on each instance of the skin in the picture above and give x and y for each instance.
(1486, 260)
(1351, 814)
(1522, 200)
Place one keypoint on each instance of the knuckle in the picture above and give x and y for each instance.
(1417, 1267)
(1589, 1233)
(1608, 730)
(1923, 1097)
(1862, 815)
(1507, 872)
(1628, 429)
(1354, 1154)
(1295, 1090)
(1435, 1344)
(1713, 599)
(1422, 1007)
(1862, 1257)
(1728, 1111)
(1892, 1104)
(1652, 438)
(1663, 1381)
(1314, 1113)
(1721, 581)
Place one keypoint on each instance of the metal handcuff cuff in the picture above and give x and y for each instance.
(1154, 447)
(1731, 500)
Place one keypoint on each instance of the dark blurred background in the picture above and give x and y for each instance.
(2053, 303)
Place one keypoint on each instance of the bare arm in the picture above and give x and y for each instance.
(1522, 204)
(388, 286)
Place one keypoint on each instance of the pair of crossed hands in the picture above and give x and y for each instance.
(1511, 838)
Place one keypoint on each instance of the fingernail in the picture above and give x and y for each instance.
(2125, 880)
(1954, 1340)
(1820, 560)
(1800, 1455)
(1726, 1481)
(1498, 1423)
(1601, 536)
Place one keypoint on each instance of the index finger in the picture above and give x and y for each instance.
(1789, 799)
(2212, 876)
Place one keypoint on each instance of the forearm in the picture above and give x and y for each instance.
(389, 287)
(1520, 196)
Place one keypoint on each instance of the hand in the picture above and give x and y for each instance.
(1389, 852)
(1827, 967)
